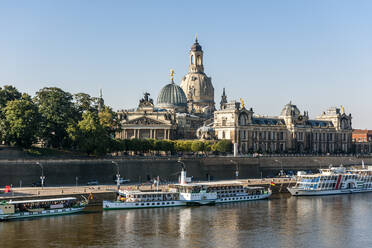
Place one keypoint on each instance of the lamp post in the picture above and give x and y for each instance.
(42, 177)
(117, 174)
(281, 167)
(236, 168)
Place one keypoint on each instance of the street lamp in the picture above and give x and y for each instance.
(42, 174)
(236, 168)
(76, 181)
(117, 174)
(281, 167)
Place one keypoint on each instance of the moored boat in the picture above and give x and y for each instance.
(225, 191)
(187, 194)
(332, 181)
(128, 199)
(23, 209)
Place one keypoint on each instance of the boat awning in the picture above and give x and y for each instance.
(42, 200)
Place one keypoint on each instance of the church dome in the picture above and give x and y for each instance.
(171, 96)
(290, 110)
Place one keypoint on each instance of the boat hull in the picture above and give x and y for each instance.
(44, 213)
(243, 198)
(112, 205)
(116, 205)
(200, 202)
(303, 192)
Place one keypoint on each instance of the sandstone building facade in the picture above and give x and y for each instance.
(291, 131)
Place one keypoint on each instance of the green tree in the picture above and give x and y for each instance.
(179, 145)
(89, 136)
(83, 102)
(22, 122)
(223, 146)
(197, 146)
(8, 93)
(135, 145)
(109, 121)
(57, 113)
(187, 145)
(157, 146)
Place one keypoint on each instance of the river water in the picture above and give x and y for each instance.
(283, 221)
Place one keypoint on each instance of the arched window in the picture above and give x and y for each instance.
(198, 61)
(192, 59)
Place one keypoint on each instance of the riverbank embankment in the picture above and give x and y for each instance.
(67, 172)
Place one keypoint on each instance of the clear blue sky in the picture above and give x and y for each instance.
(316, 53)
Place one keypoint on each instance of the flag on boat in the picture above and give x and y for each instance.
(7, 189)
(272, 183)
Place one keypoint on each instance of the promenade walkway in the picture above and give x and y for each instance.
(25, 192)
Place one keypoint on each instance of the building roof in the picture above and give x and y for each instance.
(290, 110)
(196, 46)
(171, 95)
(318, 123)
(267, 121)
(362, 131)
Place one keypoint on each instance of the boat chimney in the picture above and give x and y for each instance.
(183, 177)
(183, 172)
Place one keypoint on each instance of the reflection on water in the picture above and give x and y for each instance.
(283, 221)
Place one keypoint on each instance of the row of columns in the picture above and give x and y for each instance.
(154, 133)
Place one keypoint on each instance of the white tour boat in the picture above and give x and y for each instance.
(335, 180)
(225, 191)
(139, 199)
(187, 194)
(128, 199)
(22, 209)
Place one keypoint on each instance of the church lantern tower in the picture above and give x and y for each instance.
(197, 85)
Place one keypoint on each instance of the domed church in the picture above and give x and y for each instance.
(179, 110)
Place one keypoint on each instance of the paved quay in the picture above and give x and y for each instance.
(102, 191)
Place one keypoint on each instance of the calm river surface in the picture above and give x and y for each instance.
(283, 221)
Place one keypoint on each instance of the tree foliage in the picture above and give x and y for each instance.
(223, 146)
(21, 122)
(84, 102)
(89, 136)
(57, 113)
(8, 93)
(197, 146)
